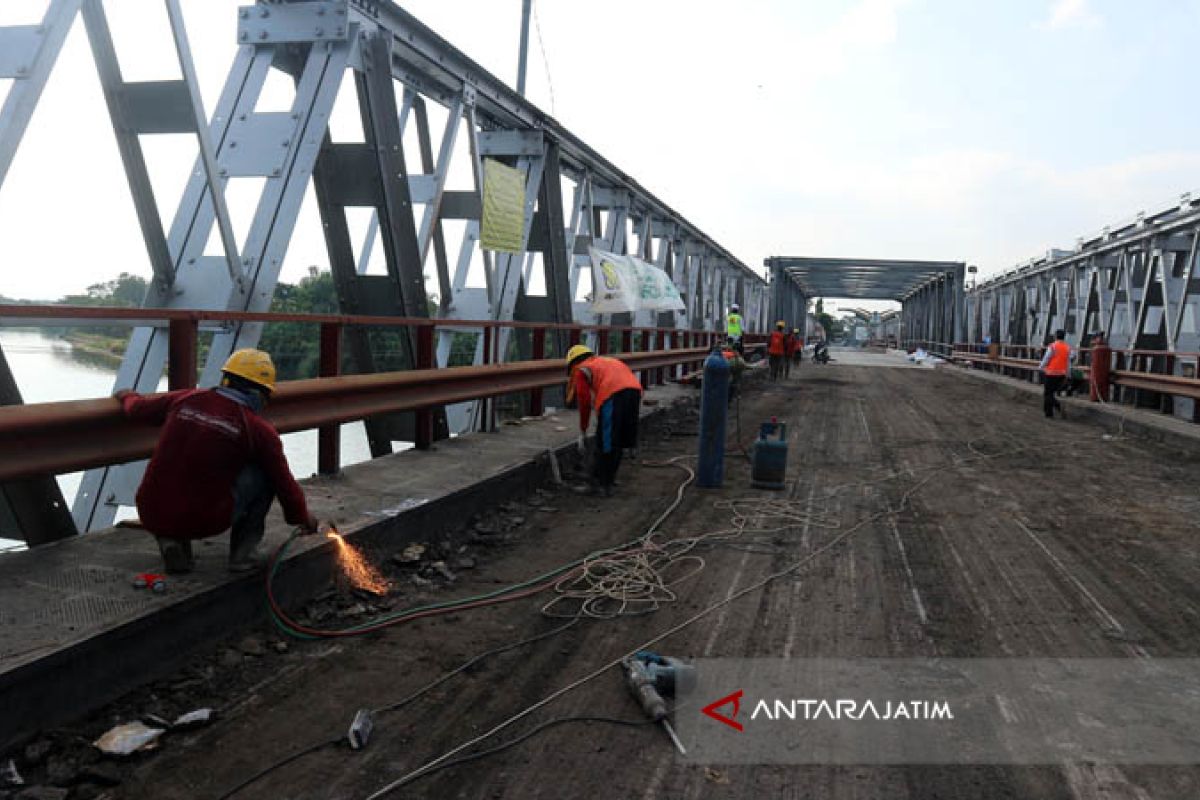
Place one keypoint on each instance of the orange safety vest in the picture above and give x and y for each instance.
(1060, 358)
(607, 377)
(775, 348)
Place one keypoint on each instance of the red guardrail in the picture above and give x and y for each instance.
(51, 438)
(1156, 375)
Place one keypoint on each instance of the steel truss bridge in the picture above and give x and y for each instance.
(427, 111)
(1135, 282)
(315, 44)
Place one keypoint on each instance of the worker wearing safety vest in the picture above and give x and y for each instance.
(733, 326)
(218, 464)
(615, 392)
(798, 350)
(1055, 366)
(777, 349)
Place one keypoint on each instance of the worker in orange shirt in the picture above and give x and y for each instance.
(777, 349)
(616, 393)
(798, 350)
(789, 353)
(1055, 366)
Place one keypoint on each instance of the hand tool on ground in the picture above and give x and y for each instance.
(650, 677)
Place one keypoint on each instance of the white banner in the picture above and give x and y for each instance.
(627, 284)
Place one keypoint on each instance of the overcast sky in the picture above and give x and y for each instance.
(941, 129)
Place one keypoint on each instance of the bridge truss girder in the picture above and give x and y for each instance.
(930, 292)
(1138, 283)
(315, 42)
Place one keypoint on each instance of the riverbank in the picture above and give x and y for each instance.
(96, 349)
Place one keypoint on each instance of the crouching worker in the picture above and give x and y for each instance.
(616, 393)
(217, 465)
(736, 367)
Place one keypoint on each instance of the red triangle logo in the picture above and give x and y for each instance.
(710, 710)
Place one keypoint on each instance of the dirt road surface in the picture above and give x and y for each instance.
(1021, 537)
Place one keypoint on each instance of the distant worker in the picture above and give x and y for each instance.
(777, 349)
(733, 326)
(737, 366)
(616, 393)
(789, 352)
(1055, 366)
(798, 350)
(217, 465)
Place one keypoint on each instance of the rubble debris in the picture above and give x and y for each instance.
(410, 555)
(104, 773)
(9, 775)
(129, 738)
(252, 646)
(42, 793)
(35, 752)
(716, 776)
(440, 568)
(62, 771)
(193, 719)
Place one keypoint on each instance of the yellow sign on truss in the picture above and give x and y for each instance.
(503, 224)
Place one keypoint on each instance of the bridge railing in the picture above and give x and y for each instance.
(54, 438)
(1143, 378)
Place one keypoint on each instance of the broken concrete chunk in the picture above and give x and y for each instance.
(9, 775)
(62, 771)
(252, 646)
(36, 752)
(193, 718)
(42, 793)
(129, 738)
(410, 555)
(440, 568)
(104, 773)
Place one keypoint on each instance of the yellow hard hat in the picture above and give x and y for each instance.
(576, 353)
(253, 365)
(781, 324)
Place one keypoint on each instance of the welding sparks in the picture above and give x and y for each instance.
(355, 568)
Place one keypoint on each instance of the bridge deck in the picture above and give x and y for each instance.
(1024, 537)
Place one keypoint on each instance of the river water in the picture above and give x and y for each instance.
(46, 371)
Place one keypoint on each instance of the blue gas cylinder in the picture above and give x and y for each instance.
(714, 403)
(768, 468)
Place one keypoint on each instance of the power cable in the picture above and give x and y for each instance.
(545, 61)
(283, 762)
(901, 506)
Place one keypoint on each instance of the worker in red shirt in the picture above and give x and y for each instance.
(1055, 366)
(217, 465)
(777, 349)
(615, 392)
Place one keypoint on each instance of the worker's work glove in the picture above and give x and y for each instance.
(581, 445)
(310, 526)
